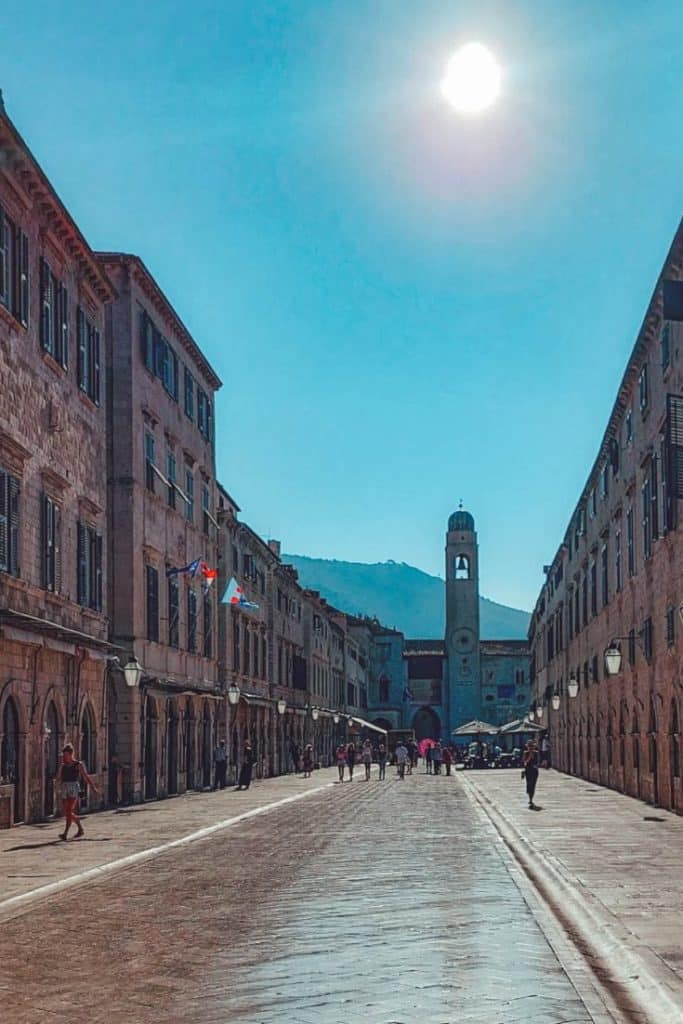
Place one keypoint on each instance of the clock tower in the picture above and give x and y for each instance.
(463, 673)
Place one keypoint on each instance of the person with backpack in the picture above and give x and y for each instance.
(70, 776)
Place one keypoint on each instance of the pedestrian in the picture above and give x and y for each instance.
(411, 747)
(248, 760)
(545, 751)
(447, 759)
(366, 758)
(428, 758)
(295, 754)
(401, 753)
(70, 775)
(530, 772)
(220, 762)
(341, 761)
(382, 760)
(437, 754)
(350, 759)
(308, 761)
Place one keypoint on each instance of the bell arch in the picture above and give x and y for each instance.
(426, 724)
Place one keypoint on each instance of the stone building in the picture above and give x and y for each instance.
(437, 685)
(162, 514)
(53, 489)
(615, 580)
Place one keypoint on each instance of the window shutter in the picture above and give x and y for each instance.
(57, 546)
(98, 572)
(4, 521)
(46, 536)
(4, 260)
(45, 306)
(144, 350)
(82, 566)
(14, 491)
(95, 394)
(63, 326)
(152, 603)
(23, 279)
(82, 349)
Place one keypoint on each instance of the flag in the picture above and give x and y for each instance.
(407, 695)
(235, 596)
(209, 576)
(191, 569)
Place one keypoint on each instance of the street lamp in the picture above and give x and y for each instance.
(335, 718)
(539, 712)
(281, 706)
(613, 659)
(556, 702)
(314, 714)
(133, 672)
(573, 686)
(233, 694)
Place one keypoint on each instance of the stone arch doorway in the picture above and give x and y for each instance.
(172, 748)
(10, 761)
(52, 743)
(150, 749)
(426, 724)
(88, 747)
(190, 739)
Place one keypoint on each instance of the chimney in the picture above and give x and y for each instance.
(275, 547)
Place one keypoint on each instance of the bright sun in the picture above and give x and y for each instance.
(472, 79)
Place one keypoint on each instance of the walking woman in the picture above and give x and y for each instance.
(350, 759)
(530, 772)
(248, 760)
(308, 760)
(341, 761)
(382, 760)
(70, 775)
(366, 755)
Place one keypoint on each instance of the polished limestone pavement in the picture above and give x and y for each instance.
(377, 902)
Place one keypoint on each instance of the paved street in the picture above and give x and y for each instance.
(376, 902)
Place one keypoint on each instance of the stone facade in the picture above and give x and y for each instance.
(53, 530)
(162, 510)
(617, 577)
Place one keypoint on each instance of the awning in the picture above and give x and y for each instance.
(257, 699)
(476, 728)
(520, 726)
(367, 725)
(35, 624)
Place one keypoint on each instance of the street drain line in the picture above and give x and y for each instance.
(634, 980)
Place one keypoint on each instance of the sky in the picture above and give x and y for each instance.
(406, 307)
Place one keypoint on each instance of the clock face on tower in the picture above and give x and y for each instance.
(462, 640)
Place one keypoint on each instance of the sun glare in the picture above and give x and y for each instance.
(472, 79)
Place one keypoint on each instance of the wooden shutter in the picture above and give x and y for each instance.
(144, 347)
(23, 310)
(82, 565)
(97, 548)
(63, 327)
(674, 460)
(46, 530)
(95, 376)
(81, 330)
(152, 603)
(4, 260)
(14, 491)
(4, 521)
(57, 548)
(46, 311)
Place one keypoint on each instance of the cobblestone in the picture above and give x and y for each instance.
(381, 902)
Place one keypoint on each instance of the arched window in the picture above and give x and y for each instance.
(88, 749)
(461, 567)
(383, 689)
(675, 740)
(9, 750)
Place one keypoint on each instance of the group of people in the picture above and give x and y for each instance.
(347, 756)
(220, 764)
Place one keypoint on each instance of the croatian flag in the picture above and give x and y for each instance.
(234, 595)
(209, 576)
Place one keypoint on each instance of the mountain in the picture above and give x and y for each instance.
(400, 596)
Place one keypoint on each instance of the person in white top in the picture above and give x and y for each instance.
(401, 758)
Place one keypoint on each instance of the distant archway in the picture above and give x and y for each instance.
(426, 724)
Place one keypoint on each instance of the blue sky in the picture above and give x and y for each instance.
(405, 307)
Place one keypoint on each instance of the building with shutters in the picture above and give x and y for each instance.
(615, 580)
(53, 490)
(162, 510)
(437, 685)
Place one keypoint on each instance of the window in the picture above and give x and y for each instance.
(150, 474)
(617, 560)
(236, 568)
(208, 626)
(206, 514)
(236, 646)
(577, 620)
(592, 504)
(665, 345)
(54, 316)
(152, 595)
(654, 499)
(264, 658)
(189, 395)
(631, 646)
(643, 389)
(88, 357)
(189, 493)
(173, 613)
(628, 427)
(604, 575)
(247, 650)
(647, 639)
(158, 356)
(595, 669)
(89, 557)
(10, 491)
(204, 414)
(670, 627)
(584, 599)
(604, 482)
(630, 550)
(461, 567)
(570, 617)
(171, 474)
(51, 530)
(384, 690)
(191, 620)
(647, 533)
(585, 675)
(14, 294)
(594, 589)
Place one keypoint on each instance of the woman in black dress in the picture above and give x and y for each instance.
(247, 767)
(531, 771)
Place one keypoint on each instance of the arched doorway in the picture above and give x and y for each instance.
(51, 758)
(190, 745)
(635, 748)
(10, 765)
(88, 748)
(150, 749)
(207, 750)
(652, 749)
(172, 748)
(426, 725)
